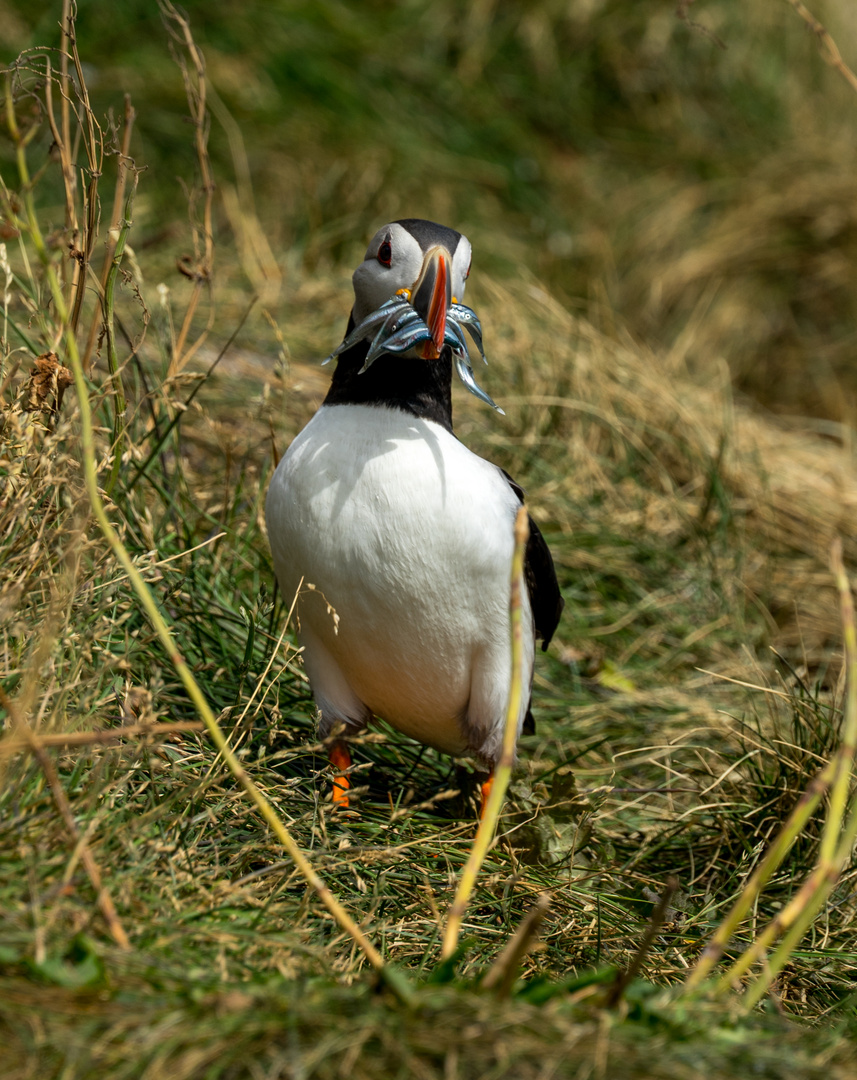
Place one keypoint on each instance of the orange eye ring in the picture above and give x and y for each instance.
(385, 253)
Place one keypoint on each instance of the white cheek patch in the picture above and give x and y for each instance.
(460, 266)
(374, 283)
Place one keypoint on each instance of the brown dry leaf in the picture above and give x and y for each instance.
(49, 379)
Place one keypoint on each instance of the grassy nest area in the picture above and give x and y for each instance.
(663, 212)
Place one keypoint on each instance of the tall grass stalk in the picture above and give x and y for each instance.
(119, 213)
(200, 271)
(119, 403)
(503, 771)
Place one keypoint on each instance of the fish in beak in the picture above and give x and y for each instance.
(420, 320)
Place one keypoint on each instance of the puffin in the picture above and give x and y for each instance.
(395, 538)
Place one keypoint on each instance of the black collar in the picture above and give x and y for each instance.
(420, 387)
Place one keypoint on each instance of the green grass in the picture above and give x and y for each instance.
(289, 1033)
(690, 533)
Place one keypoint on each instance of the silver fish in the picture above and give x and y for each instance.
(468, 318)
(379, 342)
(408, 318)
(371, 321)
(465, 373)
(395, 327)
(399, 342)
(463, 314)
(407, 336)
(454, 340)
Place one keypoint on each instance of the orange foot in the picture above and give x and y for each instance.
(340, 759)
(486, 791)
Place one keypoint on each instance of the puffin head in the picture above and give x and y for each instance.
(407, 299)
(425, 263)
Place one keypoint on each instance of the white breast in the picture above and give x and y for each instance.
(408, 537)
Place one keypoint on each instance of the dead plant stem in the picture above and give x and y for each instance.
(201, 269)
(13, 744)
(125, 166)
(503, 772)
(119, 403)
(828, 47)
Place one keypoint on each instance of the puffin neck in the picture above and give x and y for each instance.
(420, 387)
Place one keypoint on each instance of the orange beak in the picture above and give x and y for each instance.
(431, 296)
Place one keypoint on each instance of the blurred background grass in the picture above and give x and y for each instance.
(673, 170)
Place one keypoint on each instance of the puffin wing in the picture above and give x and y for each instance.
(539, 573)
(545, 598)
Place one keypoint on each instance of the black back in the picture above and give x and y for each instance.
(540, 574)
(543, 588)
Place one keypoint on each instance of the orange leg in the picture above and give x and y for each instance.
(340, 759)
(486, 791)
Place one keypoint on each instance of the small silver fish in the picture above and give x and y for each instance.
(379, 342)
(395, 327)
(371, 321)
(399, 342)
(454, 338)
(468, 318)
(465, 373)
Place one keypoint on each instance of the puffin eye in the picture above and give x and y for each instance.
(385, 253)
(467, 275)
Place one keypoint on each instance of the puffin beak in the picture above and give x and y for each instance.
(431, 296)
